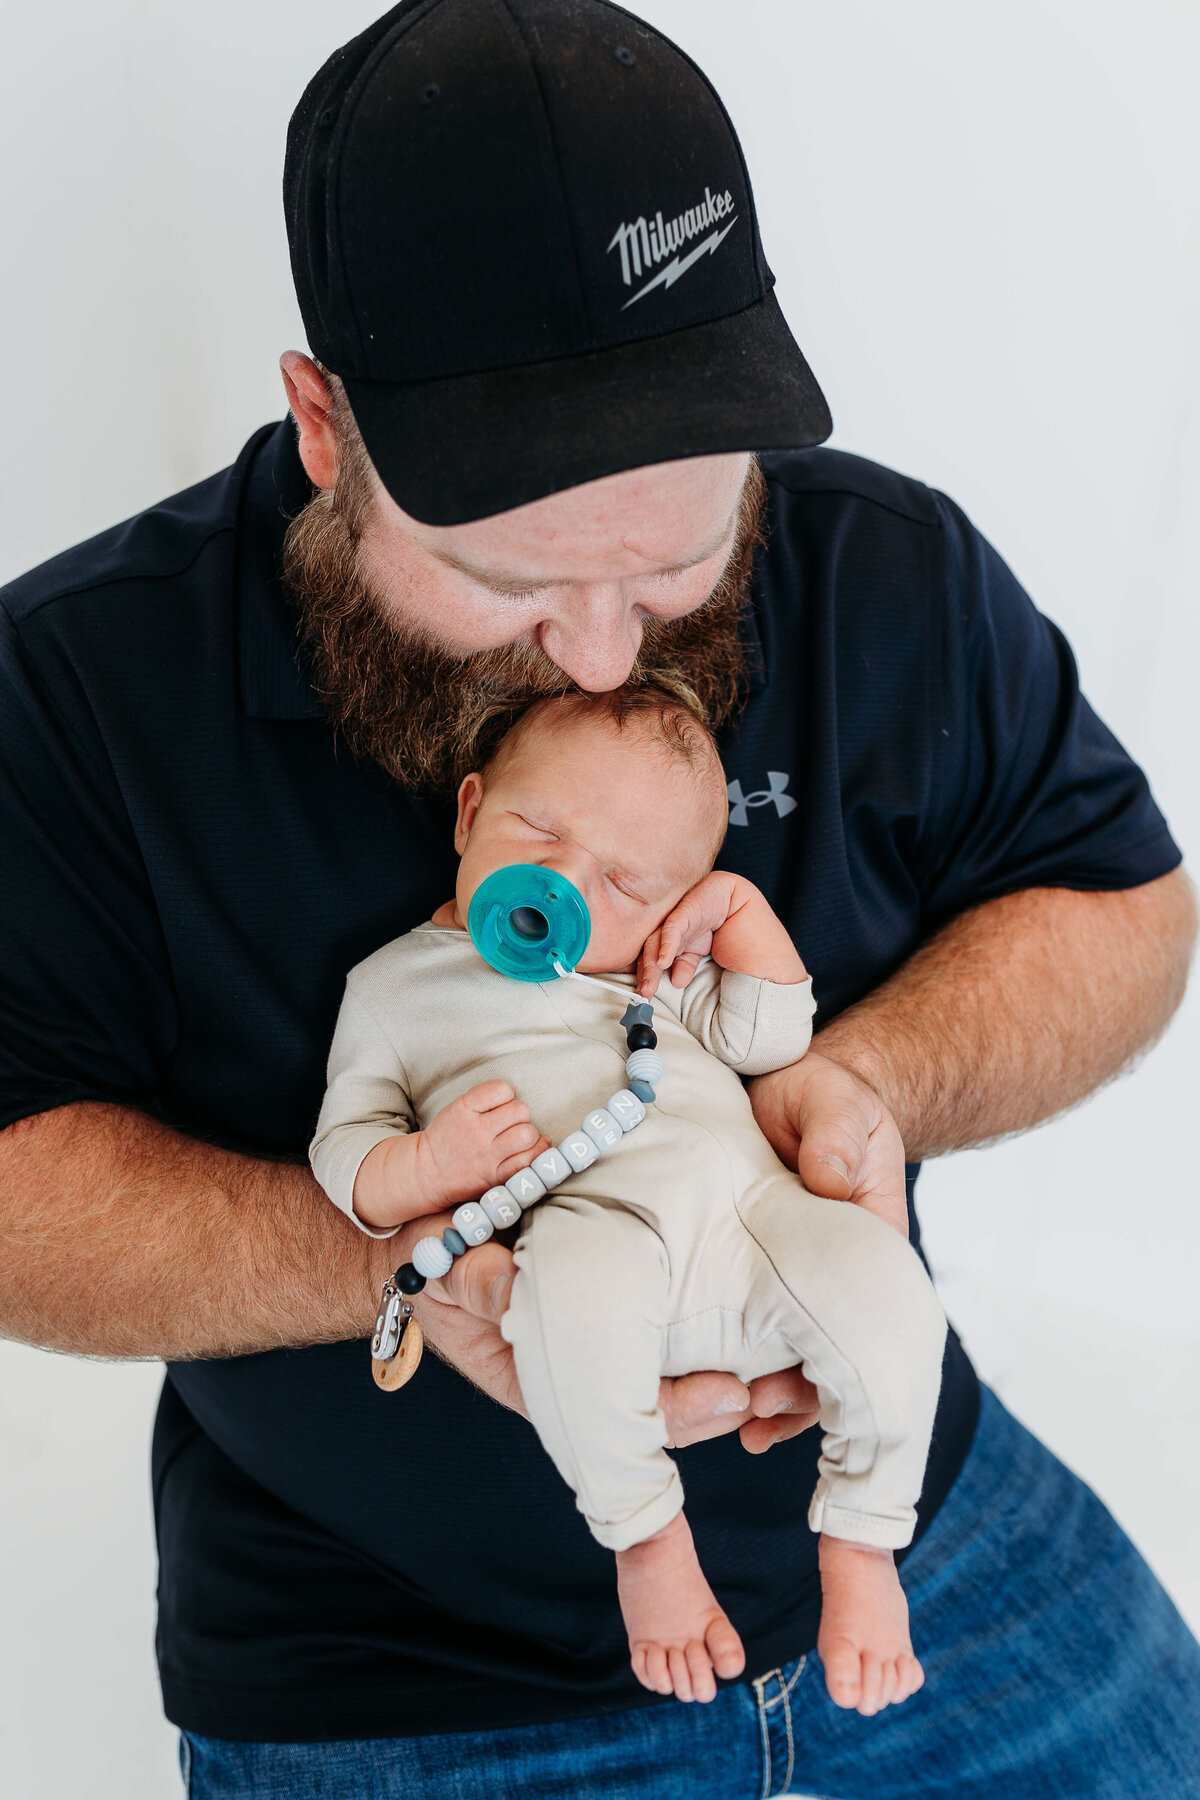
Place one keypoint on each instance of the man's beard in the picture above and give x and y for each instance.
(427, 715)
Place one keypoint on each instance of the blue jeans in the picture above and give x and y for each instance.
(1056, 1669)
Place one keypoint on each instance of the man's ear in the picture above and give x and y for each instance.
(311, 402)
(470, 793)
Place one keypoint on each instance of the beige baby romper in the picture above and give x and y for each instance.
(689, 1246)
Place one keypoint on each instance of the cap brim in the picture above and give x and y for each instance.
(467, 447)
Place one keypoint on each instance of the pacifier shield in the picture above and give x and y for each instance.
(523, 919)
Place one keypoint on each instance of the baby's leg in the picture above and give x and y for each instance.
(586, 1324)
(869, 1332)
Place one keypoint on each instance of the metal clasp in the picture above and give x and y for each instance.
(392, 1322)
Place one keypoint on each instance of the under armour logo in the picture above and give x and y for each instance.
(773, 794)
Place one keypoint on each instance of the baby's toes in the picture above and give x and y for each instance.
(724, 1648)
(843, 1672)
(912, 1676)
(681, 1676)
(700, 1669)
(658, 1675)
(869, 1700)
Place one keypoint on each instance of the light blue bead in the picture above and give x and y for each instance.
(645, 1065)
(602, 1128)
(500, 1207)
(454, 1241)
(551, 1167)
(431, 1258)
(579, 1151)
(627, 1109)
(642, 1089)
(525, 1187)
(473, 1222)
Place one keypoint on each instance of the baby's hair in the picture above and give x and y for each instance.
(668, 707)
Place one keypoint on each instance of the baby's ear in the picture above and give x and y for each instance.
(470, 793)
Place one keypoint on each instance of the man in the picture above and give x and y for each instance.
(526, 253)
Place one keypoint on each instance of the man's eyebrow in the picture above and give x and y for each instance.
(514, 583)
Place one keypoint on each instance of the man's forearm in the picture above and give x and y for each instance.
(1018, 1009)
(122, 1238)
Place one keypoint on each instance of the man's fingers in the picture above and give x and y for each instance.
(834, 1119)
(479, 1282)
(783, 1405)
(698, 1407)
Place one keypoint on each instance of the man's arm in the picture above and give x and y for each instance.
(120, 1237)
(1012, 1013)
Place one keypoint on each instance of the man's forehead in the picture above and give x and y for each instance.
(668, 517)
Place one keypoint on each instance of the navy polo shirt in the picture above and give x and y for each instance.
(191, 863)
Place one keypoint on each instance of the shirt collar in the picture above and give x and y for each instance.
(273, 672)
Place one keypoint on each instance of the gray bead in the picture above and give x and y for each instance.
(645, 1065)
(500, 1207)
(454, 1241)
(602, 1128)
(627, 1109)
(638, 1012)
(579, 1151)
(551, 1167)
(473, 1222)
(642, 1089)
(431, 1258)
(525, 1187)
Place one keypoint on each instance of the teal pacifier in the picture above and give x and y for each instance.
(524, 919)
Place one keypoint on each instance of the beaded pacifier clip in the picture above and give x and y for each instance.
(532, 924)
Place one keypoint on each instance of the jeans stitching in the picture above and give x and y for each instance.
(758, 1686)
(799, 1672)
(791, 1742)
(185, 1764)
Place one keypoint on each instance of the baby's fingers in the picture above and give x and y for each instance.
(499, 1119)
(488, 1095)
(518, 1142)
(684, 967)
(521, 1159)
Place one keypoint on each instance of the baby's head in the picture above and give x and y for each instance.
(622, 793)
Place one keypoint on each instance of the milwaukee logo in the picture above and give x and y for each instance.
(650, 241)
(773, 794)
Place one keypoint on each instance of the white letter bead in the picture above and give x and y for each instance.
(431, 1258)
(525, 1187)
(551, 1167)
(579, 1151)
(500, 1207)
(626, 1109)
(602, 1128)
(474, 1224)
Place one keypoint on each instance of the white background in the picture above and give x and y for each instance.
(985, 225)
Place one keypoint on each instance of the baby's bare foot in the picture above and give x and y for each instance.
(679, 1639)
(863, 1641)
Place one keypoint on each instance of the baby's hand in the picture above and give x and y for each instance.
(480, 1139)
(725, 916)
(686, 934)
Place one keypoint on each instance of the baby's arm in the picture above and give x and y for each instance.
(751, 1005)
(370, 1158)
(725, 917)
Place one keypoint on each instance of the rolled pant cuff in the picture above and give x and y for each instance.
(642, 1524)
(875, 1529)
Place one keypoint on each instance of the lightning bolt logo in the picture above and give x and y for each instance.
(679, 265)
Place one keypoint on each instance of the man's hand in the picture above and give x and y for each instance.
(836, 1133)
(460, 1318)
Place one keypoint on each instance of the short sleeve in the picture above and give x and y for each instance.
(87, 1007)
(1029, 788)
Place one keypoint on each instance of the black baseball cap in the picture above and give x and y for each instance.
(522, 234)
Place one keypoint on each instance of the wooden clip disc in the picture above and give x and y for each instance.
(403, 1366)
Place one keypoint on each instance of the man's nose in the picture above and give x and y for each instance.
(594, 638)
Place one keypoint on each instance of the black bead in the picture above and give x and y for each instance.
(641, 1037)
(408, 1279)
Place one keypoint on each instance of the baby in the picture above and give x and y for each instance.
(690, 1246)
